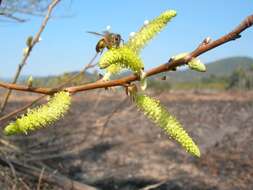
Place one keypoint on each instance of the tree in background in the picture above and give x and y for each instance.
(241, 79)
(15, 10)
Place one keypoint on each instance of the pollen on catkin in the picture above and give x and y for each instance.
(160, 116)
(112, 70)
(149, 30)
(41, 116)
(122, 56)
(194, 64)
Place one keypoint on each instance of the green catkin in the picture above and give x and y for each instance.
(146, 33)
(116, 59)
(196, 65)
(122, 56)
(160, 116)
(112, 70)
(41, 116)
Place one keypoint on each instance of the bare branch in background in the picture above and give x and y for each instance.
(16, 9)
(34, 41)
(12, 17)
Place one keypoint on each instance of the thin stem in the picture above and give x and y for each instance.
(26, 55)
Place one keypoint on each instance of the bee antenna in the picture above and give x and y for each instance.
(94, 33)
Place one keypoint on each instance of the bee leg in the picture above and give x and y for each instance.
(123, 42)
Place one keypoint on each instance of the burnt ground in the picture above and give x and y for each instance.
(125, 151)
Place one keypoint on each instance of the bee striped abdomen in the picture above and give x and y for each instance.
(100, 45)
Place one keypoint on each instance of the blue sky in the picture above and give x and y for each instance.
(66, 47)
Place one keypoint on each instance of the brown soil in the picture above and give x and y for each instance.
(126, 151)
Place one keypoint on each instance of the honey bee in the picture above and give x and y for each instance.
(109, 40)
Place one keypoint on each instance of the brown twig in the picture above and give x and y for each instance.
(27, 88)
(153, 186)
(59, 180)
(26, 55)
(10, 145)
(11, 167)
(40, 178)
(24, 184)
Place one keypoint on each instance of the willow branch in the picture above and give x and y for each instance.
(26, 55)
(171, 64)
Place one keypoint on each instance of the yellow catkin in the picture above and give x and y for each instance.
(161, 117)
(41, 116)
(124, 57)
(147, 32)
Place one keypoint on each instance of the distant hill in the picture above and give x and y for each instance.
(220, 68)
(55, 80)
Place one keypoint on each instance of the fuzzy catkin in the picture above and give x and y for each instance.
(112, 70)
(41, 116)
(147, 32)
(194, 64)
(197, 65)
(160, 116)
(122, 56)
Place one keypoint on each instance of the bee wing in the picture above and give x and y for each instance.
(95, 33)
(106, 32)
